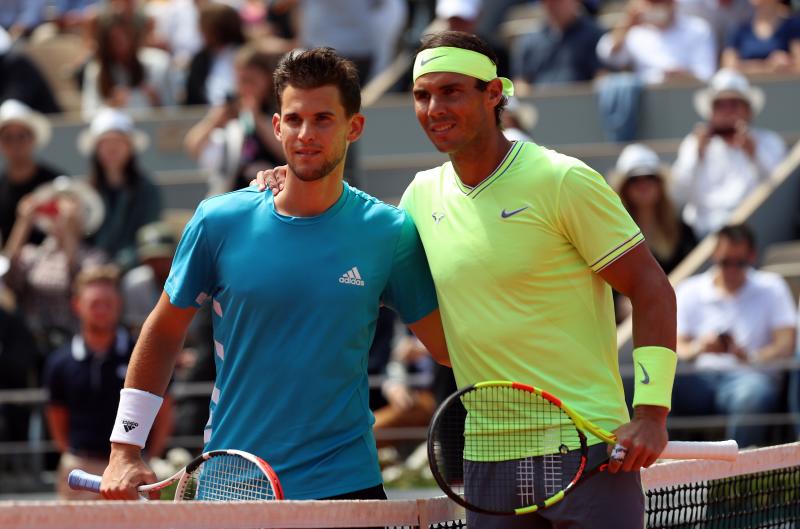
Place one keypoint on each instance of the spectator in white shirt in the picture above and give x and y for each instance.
(724, 158)
(660, 44)
(732, 322)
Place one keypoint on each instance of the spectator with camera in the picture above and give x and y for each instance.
(84, 377)
(660, 44)
(23, 131)
(40, 275)
(235, 140)
(733, 321)
(725, 157)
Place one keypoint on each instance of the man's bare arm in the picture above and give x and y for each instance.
(149, 370)
(430, 332)
(781, 346)
(638, 276)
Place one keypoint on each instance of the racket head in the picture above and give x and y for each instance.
(228, 475)
(500, 447)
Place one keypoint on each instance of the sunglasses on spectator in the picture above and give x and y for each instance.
(16, 138)
(733, 263)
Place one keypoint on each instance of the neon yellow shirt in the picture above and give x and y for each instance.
(515, 262)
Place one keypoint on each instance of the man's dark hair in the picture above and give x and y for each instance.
(319, 67)
(738, 233)
(466, 41)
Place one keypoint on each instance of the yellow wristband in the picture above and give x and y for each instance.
(654, 373)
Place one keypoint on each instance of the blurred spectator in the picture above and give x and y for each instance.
(211, 77)
(725, 158)
(19, 368)
(459, 15)
(794, 386)
(723, 16)
(660, 44)
(176, 28)
(732, 322)
(84, 377)
(389, 19)
(142, 286)
(769, 42)
(20, 17)
(641, 182)
(22, 132)
(124, 73)
(408, 404)
(20, 79)
(518, 120)
(111, 143)
(345, 25)
(236, 139)
(41, 275)
(72, 15)
(560, 52)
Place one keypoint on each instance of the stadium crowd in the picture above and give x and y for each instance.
(84, 259)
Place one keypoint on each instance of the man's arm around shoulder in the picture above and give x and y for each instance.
(150, 368)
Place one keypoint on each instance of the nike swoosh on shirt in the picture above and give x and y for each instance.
(646, 379)
(505, 214)
(423, 62)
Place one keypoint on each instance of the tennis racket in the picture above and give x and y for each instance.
(502, 447)
(219, 475)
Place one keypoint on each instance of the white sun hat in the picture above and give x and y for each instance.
(729, 84)
(111, 120)
(466, 9)
(13, 111)
(93, 209)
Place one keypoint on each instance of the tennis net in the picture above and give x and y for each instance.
(760, 490)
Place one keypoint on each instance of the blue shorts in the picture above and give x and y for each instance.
(603, 501)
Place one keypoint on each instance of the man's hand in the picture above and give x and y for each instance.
(644, 438)
(272, 178)
(125, 471)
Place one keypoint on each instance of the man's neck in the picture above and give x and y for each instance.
(99, 340)
(729, 289)
(309, 199)
(473, 165)
(21, 172)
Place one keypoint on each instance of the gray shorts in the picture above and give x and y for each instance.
(603, 501)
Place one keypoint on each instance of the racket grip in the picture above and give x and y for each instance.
(80, 480)
(719, 450)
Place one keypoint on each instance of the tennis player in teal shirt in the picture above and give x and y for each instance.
(292, 338)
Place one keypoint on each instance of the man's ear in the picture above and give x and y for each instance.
(494, 89)
(357, 121)
(276, 125)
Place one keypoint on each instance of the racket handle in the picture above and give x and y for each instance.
(719, 450)
(80, 480)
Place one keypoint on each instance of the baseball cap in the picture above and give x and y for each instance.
(154, 240)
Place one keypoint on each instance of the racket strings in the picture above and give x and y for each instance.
(229, 477)
(505, 449)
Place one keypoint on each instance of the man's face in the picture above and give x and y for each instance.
(733, 260)
(728, 111)
(452, 111)
(315, 130)
(17, 142)
(660, 13)
(98, 306)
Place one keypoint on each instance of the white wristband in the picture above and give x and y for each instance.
(135, 415)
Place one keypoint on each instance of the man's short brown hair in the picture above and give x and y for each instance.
(107, 274)
(316, 68)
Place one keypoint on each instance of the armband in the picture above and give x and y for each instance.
(135, 416)
(654, 373)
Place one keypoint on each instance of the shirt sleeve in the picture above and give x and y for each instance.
(703, 61)
(620, 59)
(191, 278)
(593, 218)
(784, 313)
(410, 291)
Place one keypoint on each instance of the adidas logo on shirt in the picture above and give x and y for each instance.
(352, 277)
(129, 425)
